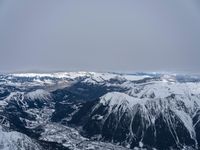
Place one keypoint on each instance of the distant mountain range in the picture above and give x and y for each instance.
(99, 111)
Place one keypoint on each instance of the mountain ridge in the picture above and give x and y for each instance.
(120, 111)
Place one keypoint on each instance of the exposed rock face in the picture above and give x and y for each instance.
(101, 110)
(12, 140)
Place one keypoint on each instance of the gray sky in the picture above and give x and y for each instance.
(103, 35)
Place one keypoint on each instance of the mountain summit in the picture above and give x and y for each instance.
(90, 110)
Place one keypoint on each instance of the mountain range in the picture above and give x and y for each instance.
(99, 111)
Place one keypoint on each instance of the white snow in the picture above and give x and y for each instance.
(91, 77)
(14, 96)
(71, 139)
(135, 77)
(117, 98)
(14, 141)
(39, 94)
(53, 75)
(187, 120)
(154, 96)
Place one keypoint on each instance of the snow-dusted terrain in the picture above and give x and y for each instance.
(12, 140)
(88, 110)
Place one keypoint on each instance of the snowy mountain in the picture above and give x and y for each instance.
(12, 140)
(88, 110)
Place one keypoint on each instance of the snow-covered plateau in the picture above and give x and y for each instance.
(99, 111)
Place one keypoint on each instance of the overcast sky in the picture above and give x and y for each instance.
(100, 35)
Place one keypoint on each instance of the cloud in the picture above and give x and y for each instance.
(99, 35)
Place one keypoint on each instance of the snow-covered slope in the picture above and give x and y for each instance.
(176, 109)
(12, 140)
(89, 110)
(39, 94)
